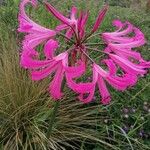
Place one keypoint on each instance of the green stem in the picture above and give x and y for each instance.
(86, 37)
(54, 113)
(94, 44)
(51, 121)
(95, 49)
(87, 56)
(71, 41)
(92, 36)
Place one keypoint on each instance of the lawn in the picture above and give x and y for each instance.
(26, 108)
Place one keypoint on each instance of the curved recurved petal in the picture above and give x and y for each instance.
(26, 24)
(103, 91)
(56, 83)
(89, 96)
(50, 48)
(127, 65)
(121, 83)
(90, 93)
(118, 24)
(28, 60)
(79, 87)
(44, 72)
(112, 69)
(33, 40)
(77, 71)
(146, 64)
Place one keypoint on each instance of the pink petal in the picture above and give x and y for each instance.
(118, 24)
(44, 72)
(111, 66)
(115, 39)
(121, 83)
(73, 13)
(77, 72)
(69, 33)
(57, 14)
(126, 31)
(130, 45)
(26, 24)
(32, 40)
(91, 91)
(118, 40)
(125, 53)
(128, 66)
(103, 91)
(50, 48)
(79, 23)
(78, 87)
(62, 56)
(27, 61)
(88, 98)
(61, 27)
(100, 18)
(100, 71)
(145, 63)
(83, 23)
(55, 85)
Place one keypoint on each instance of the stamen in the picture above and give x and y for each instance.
(60, 34)
(95, 49)
(87, 56)
(94, 44)
(91, 36)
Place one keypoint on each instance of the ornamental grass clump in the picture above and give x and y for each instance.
(25, 110)
(122, 65)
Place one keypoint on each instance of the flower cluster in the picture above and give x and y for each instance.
(72, 62)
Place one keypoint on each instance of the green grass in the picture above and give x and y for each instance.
(25, 107)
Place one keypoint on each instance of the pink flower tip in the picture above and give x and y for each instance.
(106, 101)
(100, 18)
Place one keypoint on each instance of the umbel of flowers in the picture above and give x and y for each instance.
(73, 60)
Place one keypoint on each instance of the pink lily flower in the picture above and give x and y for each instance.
(128, 66)
(121, 44)
(120, 39)
(71, 64)
(36, 33)
(40, 69)
(68, 23)
(99, 75)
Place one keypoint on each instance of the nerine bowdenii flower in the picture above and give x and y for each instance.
(69, 63)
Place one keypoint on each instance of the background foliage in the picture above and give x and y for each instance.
(25, 107)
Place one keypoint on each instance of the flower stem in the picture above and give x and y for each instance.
(93, 35)
(71, 41)
(95, 49)
(87, 56)
(51, 121)
(94, 44)
(54, 113)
